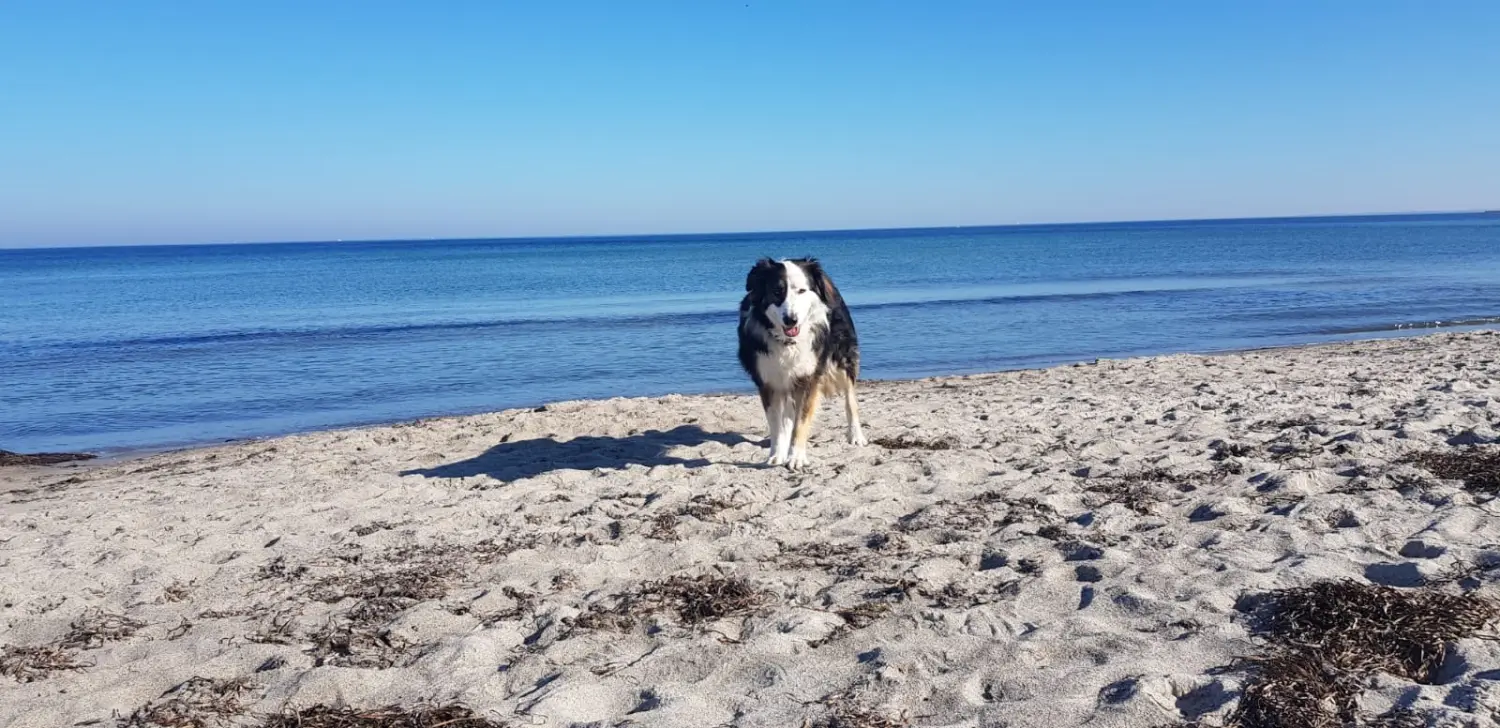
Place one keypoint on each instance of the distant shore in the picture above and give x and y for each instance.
(1060, 547)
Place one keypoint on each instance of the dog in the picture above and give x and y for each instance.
(798, 344)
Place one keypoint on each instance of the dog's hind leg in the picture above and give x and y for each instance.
(851, 411)
(806, 411)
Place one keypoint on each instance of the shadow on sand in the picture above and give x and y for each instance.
(528, 458)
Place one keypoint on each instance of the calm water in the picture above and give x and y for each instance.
(107, 348)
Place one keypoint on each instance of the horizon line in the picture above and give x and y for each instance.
(816, 231)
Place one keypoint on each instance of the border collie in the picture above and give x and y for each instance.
(797, 343)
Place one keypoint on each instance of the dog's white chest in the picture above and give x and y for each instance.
(782, 365)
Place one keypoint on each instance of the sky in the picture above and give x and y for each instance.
(149, 122)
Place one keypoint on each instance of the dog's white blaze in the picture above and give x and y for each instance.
(801, 301)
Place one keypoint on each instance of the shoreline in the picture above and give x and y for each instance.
(103, 455)
(1077, 545)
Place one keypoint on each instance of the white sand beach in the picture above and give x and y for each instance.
(1063, 547)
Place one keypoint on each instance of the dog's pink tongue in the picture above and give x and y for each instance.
(792, 331)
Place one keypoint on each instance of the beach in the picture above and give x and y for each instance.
(1077, 545)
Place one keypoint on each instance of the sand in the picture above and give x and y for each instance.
(1063, 547)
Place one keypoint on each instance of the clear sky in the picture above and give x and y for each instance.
(186, 121)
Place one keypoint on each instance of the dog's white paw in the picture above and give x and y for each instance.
(798, 460)
(857, 438)
(775, 458)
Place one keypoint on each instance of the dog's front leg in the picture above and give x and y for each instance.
(779, 418)
(807, 408)
(767, 404)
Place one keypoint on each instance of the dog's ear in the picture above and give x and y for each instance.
(819, 280)
(762, 268)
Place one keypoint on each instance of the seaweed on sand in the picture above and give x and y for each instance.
(394, 716)
(198, 703)
(29, 664)
(1477, 467)
(694, 600)
(1328, 638)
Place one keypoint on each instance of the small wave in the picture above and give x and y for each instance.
(1415, 325)
(342, 332)
(1037, 297)
(665, 318)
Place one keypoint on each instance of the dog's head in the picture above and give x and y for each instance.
(792, 295)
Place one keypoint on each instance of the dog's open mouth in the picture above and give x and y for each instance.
(792, 331)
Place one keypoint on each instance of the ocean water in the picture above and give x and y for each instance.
(142, 347)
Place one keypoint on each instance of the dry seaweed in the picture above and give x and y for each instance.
(664, 525)
(226, 613)
(1477, 467)
(703, 507)
(381, 586)
(181, 630)
(361, 637)
(695, 601)
(1136, 491)
(1286, 424)
(954, 596)
(176, 592)
(856, 617)
(1359, 626)
(29, 664)
(1024, 509)
(414, 571)
(278, 629)
(277, 569)
(525, 603)
(842, 560)
(366, 529)
(855, 717)
(416, 582)
(664, 528)
(705, 598)
(198, 703)
(912, 442)
(1465, 573)
(844, 710)
(1327, 640)
(974, 513)
(1289, 446)
(1401, 718)
(1295, 689)
(95, 627)
(394, 716)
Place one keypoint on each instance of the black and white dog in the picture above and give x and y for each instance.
(797, 343)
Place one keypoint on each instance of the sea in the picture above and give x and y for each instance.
(110, 349)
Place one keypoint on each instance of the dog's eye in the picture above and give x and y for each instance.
(802, 290)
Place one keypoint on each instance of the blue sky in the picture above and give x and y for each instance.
(175, 122)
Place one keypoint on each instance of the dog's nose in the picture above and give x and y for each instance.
(789, 321)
